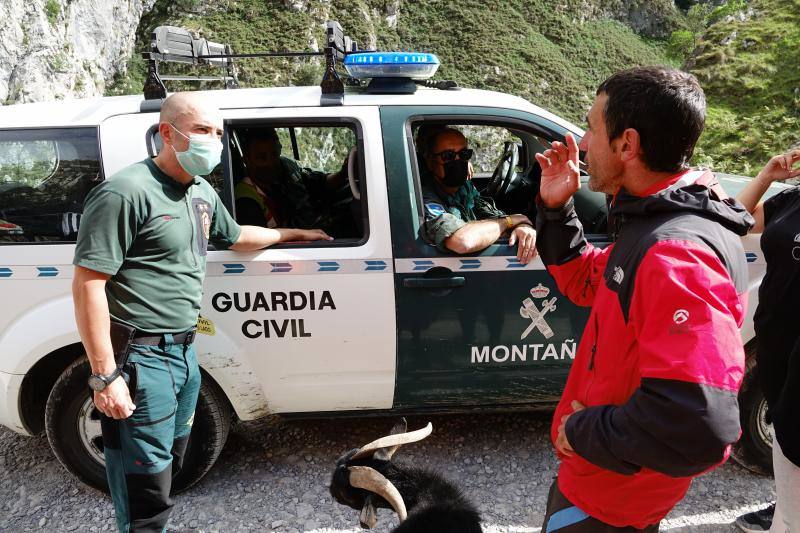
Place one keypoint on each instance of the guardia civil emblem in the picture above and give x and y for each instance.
(205, 220)
(535, 313)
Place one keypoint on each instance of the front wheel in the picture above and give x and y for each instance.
(754, 449)
(73, 430)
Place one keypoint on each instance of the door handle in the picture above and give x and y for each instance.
(434, 283)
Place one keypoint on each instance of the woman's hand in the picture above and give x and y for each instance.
(780, 167)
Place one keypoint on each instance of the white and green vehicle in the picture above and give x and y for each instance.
(374, 321)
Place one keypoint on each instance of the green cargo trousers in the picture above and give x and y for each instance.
(145, 451)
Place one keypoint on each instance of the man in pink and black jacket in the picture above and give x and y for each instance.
(651, 399)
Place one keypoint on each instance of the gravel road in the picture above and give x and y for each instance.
(273, 476)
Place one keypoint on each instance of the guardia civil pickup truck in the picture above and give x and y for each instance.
(376, 320)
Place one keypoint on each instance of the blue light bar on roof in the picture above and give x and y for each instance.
(415, 65)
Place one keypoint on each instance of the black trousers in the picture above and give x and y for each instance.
(563, 517)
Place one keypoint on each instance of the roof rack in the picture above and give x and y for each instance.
(170, 44)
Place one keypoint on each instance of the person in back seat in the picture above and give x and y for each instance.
(277, 192)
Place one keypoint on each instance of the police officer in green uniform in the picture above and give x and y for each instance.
(457, 217)
(139, 268)
(278, 192)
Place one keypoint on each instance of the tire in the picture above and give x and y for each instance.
(754, 449)
(73, 430)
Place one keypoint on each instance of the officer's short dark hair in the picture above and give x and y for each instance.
(666, 106)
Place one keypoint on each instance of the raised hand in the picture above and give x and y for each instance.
(780, 167)
(560, 173)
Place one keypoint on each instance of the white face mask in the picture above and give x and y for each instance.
(202, 156)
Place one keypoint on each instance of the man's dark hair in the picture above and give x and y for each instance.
(427, 136)
(261, 134)
(666, 106)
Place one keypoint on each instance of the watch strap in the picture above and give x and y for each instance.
(108, 378)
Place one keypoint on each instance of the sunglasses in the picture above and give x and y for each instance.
(465, 154)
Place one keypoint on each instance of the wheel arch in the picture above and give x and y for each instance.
(39, 381)
(40, 378)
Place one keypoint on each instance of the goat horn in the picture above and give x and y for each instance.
(364, 477)
(391, 441)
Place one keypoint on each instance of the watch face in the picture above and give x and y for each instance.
(96, 383)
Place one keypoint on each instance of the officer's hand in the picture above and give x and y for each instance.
(526, 236)
(115, 400)
(313, 235)
(780, 167)
(560, 174)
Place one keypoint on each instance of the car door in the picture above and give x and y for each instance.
(474, 330)
(296, 327)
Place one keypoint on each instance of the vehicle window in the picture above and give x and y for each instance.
(299, 176)
(488, 142)
(511, 190)
(45, 176)
(323, 149)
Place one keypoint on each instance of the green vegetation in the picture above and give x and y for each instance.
(552, 56)
(751, 74)
(59, 62)
(524, 47)
(132, 80)
(683, 41)
(52, 8)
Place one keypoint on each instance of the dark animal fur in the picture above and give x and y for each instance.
(433, 503)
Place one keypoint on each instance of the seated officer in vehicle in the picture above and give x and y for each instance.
(457, 217)
(277, 192)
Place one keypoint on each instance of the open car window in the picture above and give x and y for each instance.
(513, 190)
(303, 174)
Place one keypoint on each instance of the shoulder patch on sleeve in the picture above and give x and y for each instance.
(435, 210)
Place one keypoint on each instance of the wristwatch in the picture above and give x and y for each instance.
(98, 382)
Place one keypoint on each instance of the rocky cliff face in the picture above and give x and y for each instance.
(53, 49)
(653, 18)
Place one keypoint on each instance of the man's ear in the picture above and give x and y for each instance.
(629, 145)
(165, 131)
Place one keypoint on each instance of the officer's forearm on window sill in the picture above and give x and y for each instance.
(93, 319)
(256, 237)
(479, 234)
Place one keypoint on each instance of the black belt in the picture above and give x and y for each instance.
(186, 338)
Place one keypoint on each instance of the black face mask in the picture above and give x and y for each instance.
(456, 173)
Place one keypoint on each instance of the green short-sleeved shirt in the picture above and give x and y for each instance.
(445, 214)
(150, 233)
